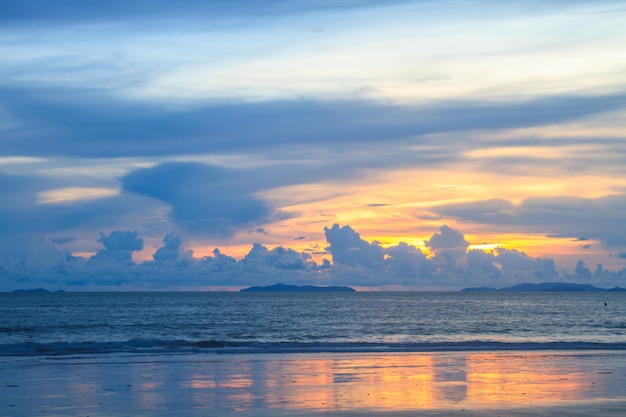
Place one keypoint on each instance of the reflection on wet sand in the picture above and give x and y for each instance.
(341, 382)
(408, 381)
(524, 379)
(351, 382)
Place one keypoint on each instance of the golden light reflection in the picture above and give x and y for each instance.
(212, 384)
(400, 381)
(519, 379)
(147, 395)
(366, 382)
(345, 382)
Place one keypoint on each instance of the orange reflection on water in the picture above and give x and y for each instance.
(426, 381)
(329, 382)
(347, 383)
(302, 386)
(511, 378)
(214, 385)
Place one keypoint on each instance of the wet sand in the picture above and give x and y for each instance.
(580, 383)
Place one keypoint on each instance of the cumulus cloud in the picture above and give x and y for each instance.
(448, 245)
(581, 271)
(405, 260)
(347, 248)
(279, 257)
(171, 249)
(121, 241)
(447, 239)
(483, 264)
(356, 262)
(118, 246)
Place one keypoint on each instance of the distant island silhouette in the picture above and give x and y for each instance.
(547, 287)
(299, 288)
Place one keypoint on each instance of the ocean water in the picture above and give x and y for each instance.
(56, 324)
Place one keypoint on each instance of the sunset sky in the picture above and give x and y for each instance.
(127, 127)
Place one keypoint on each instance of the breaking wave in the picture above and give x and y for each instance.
(158, 346)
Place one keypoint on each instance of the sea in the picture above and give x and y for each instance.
(214, 323)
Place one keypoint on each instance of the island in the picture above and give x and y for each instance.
(297, 288)
(546, 287)
(35, 290)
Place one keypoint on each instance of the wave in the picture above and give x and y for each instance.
(160, 346)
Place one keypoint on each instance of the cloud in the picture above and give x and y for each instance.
(204, 199)
(448, 245)
(121, 241)
(602, 218)
(581, 271)
(447, 239)
(118, 246)
(407, 261)
(35, 250)
(356, 262)
(347, 248)
(90, 91)
(22, 213)
(279, 258)
(483, 264)
(74, 123)
(170, 251)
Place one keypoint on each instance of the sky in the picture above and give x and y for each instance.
(383, 145)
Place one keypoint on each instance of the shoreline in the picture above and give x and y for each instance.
(310, 384)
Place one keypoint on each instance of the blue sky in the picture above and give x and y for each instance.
(190, 126)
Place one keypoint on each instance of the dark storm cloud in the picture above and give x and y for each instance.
(204, 199)
(80, 124)
(602, 218)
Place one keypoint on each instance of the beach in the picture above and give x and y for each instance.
(485, 383)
